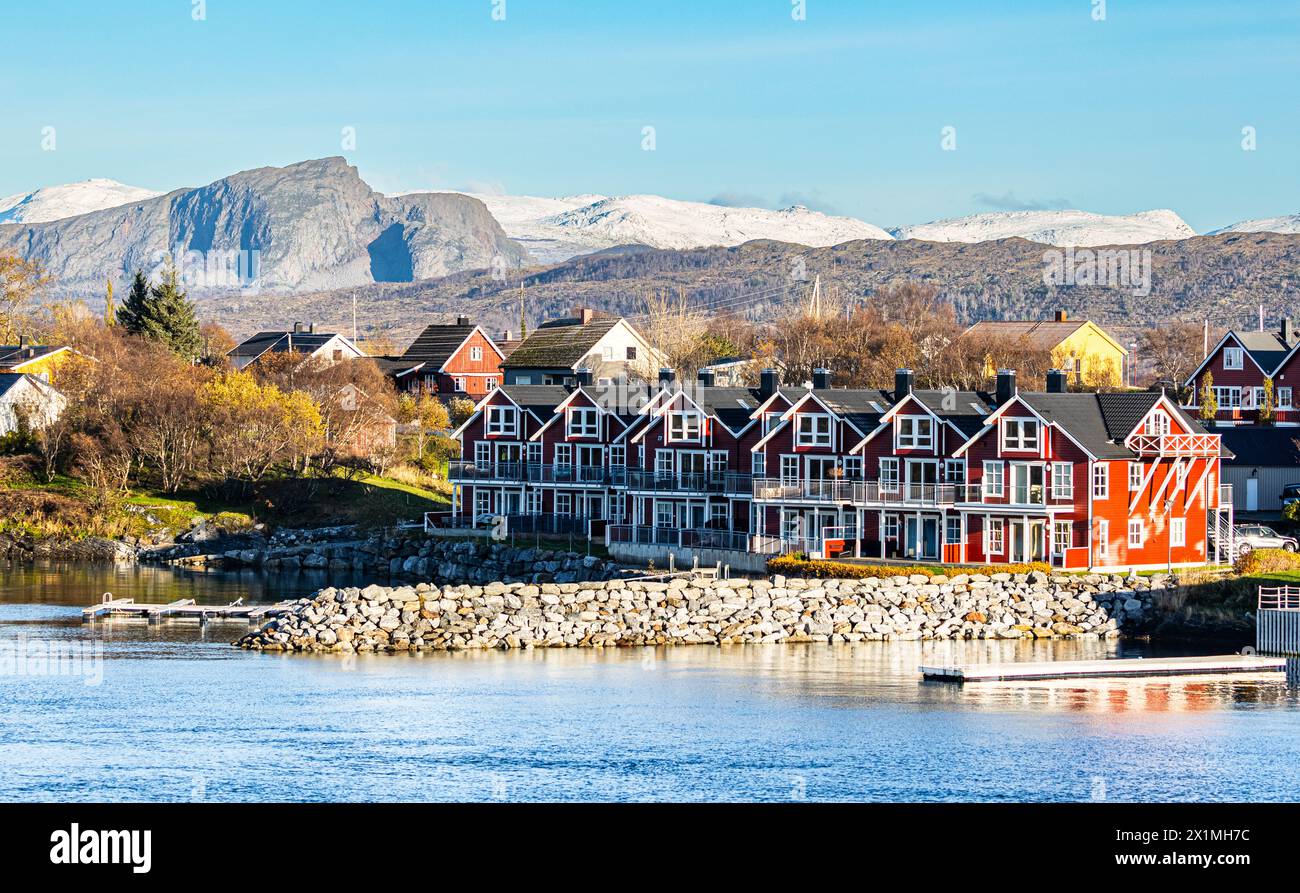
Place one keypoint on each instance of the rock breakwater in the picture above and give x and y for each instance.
(618, 612)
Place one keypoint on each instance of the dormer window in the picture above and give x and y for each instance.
(684, 426)
(584, 421)
(501, 421)
(1020, 434)
(769, 420)
(915, 433)
(1233, 357)
(1157, 423)
(814, 430)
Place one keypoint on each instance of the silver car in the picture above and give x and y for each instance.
(1257, 536)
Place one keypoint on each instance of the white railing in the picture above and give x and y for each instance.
(1279, 598)
(823, 490)
(1174, 444)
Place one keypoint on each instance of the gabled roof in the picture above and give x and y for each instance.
(1267, 350)
(439, 342)
(283, 342)
(561, 343)
(1040, 333)
(396, 366)
(11, 380)
(15, 355)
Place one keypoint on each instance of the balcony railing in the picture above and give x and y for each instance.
(703, 538)
(464, 470)
(690, 482)
(876, 493)
(1174, 444)
(839, 537)
(821, 490)
(1279, 598)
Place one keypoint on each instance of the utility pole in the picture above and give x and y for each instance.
(1205, 337)
(354, 318)
(815, 302)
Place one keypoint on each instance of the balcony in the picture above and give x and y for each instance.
(1018, 496)
(465, 471)
(835, 490)
(684, 482)
(874, 493)
(725, 540)
(1174, 445)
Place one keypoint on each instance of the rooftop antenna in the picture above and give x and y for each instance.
(1261, 317)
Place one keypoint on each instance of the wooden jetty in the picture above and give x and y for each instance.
(110, 608)
(1102, 669)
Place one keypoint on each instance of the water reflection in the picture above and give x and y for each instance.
(851, 722)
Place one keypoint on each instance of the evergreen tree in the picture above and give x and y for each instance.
(132, 314)
(164, 313)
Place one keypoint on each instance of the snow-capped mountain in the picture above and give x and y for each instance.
(1289, 223)
(1053, 228)
(70, 200)
(555, 229)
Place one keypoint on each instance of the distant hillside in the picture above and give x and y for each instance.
(1223, 277)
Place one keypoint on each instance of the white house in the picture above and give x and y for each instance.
(29, 398)
(303, 339)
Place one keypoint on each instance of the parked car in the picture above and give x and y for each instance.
(1257, 536)
(1290, 494)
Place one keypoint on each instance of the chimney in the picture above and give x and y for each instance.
(584, 378)
(505, 336)
(903, 381)
(1062, 316)
(707, 378)
(1056, 381)
(1006, 388)
(1288, 332)
(311, 328)
(582, 315)
(297, 328)
(22, 341)
(666, 377)
(821, 379)
(769, 382)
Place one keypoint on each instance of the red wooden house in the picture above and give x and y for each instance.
(1239, 365)
(1079, 480)
(448, 360)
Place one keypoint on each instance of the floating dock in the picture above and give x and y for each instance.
(181, 609)
(1102, 669)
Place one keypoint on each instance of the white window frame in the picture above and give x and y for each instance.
(1026, 438)
(1177, 532)
(1103, 538)
(995, 537)
(665, 463)
(1135, 476)
(813, 435)
(789, 468)
(1062, 480)
(1062, 537)
(459, 383)
(563, 456)
(889, 474)
(758, 464)
(476, 353)
(1233, 358)
(482, 455)
(563, 504)
(534, 453)
(1227, 396)
(993, 481)
(491, 383)
(948, 530)
(665, 513)
(1136, 526)
(1158, 423)
(914, 432)
(617, 455)
(1284, 398)
(853, 468)
(1101, 481)
(954, 471)
(685, 426)
(583, 421)
(482, 502)
(502, 421)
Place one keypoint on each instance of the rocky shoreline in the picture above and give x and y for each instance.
(681, 611)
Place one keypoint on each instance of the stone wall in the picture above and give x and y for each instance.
(426, 617)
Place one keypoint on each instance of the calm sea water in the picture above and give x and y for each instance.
(180, 715)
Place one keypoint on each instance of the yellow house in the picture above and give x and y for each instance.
(40, 360)
(1082, 348)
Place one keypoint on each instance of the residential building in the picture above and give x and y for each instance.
(1080, 480)
(608, 346)
(28, 399)
(1259, 463)
(1089, 355)
(41, 360)
(301, 339)
(448, 360)
(1239, 365)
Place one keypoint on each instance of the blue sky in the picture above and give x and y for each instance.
(842, 111)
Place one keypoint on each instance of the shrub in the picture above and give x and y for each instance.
(799, 566)
(1263, 561)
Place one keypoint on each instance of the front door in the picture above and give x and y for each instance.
(1252, 494)
(922, 537)
(690, 515)
(1028, 541)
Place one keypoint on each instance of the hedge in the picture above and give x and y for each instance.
(794, 566)
(1263, 561)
